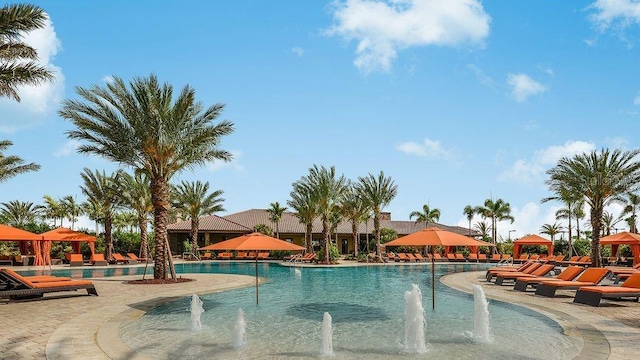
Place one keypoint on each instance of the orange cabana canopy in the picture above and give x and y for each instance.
(531, 240)
(623, 238)
(63, 234)
(254, 242)
(9, 233)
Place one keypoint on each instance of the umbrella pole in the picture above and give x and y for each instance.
(256, 280)
(433, 280)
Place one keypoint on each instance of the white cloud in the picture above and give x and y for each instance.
(617, 142)
(428, 149)
(233, 164)
(107, 79)
(298, 51)
(636, 100)
(383, 27)
(484, 79)
(66, 149)
(530, 171)
(608, 13)
(36, 101)
(522, 86)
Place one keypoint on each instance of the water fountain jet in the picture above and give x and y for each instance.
(414, 322)
(239, 332)
(481, 330)
(327, 335)
(196, 312)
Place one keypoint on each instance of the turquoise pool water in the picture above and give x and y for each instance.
(367, 307)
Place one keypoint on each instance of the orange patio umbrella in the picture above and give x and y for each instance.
(435, 236)
(626, 238)
(254, 242)
(531, 240)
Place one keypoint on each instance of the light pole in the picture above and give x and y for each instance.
(510, 231)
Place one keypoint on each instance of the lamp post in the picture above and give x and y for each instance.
(510, 231)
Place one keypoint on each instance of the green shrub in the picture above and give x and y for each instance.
(582, 246)
(334, 254)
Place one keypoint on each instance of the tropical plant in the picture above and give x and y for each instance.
(18, 213)
(94, 212)
(101, 190)
(483, 229)
(263, 229)
(427, 215)
(193, 200)
(354, 209)
(52, 209)
(275, 212)
(632, 205)
(551, 229)
(135, 194)
(469, 211)
(143, 126)
(498, 210)
(377, 193)
(601, 176)
(18, 61)
(304, 205)
(72, 209)
(570, 201)
(578, 214)
(11, 165)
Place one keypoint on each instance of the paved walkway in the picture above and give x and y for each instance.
(88, 327)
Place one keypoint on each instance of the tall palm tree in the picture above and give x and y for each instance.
(326, 189)
(601, 176)
(377, 193)
(354, 210)
(18, 61)
(11, 165)
(18, 213)
(193, 200)
(427, 215)
(578, 214)
(498, 210)
(551, 229)
(631, 207)
(94, 212)
(135, 193)
(304, 205)
(101, 189)
(469, 211)
(52, 209)
(143, 126)
(570, 201)
(275, 212)
(72, 209)
(483, 228)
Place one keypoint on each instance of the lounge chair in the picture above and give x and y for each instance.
(541, 270)
(311, 257)
(438, 257)
(241, 255)
(15, 286)
(137, 259)
(482, 258)
(491, 272)
(261, 256)
(583, 261)
(411, 257)
(460, 257)
(98, 260)
(528, 270)
(591, 295)
(224, 256)
(403, 257)
(568, 274)
(391, 257)
(252, 255)
(557, 260)
(205, 256)
(534, 257)
(119, 259)
(568, 262)
(76, 260)
(590, 277)
(451, 257)
(472, 257)
(521, 259)
(419, 257)
(494, 258)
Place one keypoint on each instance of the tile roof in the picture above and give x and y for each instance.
(246, 220)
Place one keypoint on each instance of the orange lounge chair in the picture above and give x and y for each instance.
(262, 256)
(311, 257)
(403, 257)
(473, 258)
(438, 257)
(391, 257)
(411, 257)
(206, 256)
(76, 260)
(558, 259)
(98, 260)
(460, 257)
(135, 258)
(541, 270)
(252, 255)
(590, 277)
(451, 257)
(241, 255)
(225, 256)
(119, 259)
(15, 286)
(494, 258)
(591, 295)
(583, 261)
(528, 270)
(567, 262)
(568, 274)
(521, 259)
(491, 272)
(419, 257)
(482, 258)
(534, 257)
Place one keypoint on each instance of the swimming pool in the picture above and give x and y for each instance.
(367, 307)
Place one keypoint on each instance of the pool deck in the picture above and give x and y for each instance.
(72, 326)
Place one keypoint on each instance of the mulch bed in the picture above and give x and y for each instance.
(158, 281)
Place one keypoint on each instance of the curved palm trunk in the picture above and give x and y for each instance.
(195, 224)
(354, 233)
(159, 199)
(376, 229)
(327, 241)
(278, 229)
(307, 237)
(570, 240)
(108, 238)
(142, 224)
(596, 224)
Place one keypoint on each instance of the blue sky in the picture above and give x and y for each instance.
(456, 100)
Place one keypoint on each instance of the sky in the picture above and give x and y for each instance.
(457, 101)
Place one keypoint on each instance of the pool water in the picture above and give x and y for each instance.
(367, 308)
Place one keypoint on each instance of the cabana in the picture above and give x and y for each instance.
(626, 238)
(531, 240)
(25, 239)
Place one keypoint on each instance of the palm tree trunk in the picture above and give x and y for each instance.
(327, 241)
(194, 236)
(159, 199)
(376, 229)
(308, 237)
(354, 232)
(570, 240)
(108, 238)
(142, 224)
(596, 224)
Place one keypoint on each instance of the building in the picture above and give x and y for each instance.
(214, 228)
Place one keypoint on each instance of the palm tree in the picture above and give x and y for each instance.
(326, 189)
(303, 203)
(427, 215)
(578, 214)
(135, 193)
(601, 176)
(498, 210)
(377, 193)
(144, 127)
(19, 213)
(101, 189)
(275, 212)
(570, 200)
(11, 165)
(94, 211)
(52, 209)
(551, 229)
(354, 209)
(469, 211)
(263, 229)
(72, 209)
(18, 61)
(193, 200)
(632, 206)
(483, 228)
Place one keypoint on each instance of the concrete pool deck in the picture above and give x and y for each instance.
(72, 326)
